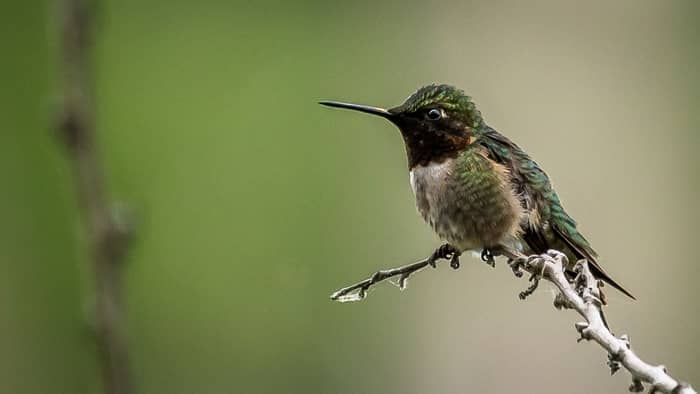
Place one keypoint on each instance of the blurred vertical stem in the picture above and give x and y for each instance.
(107, 240)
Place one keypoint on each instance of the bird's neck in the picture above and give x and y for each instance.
(423, 149)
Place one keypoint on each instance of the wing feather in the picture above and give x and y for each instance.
(546, 225)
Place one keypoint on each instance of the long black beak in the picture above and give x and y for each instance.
(356, 107)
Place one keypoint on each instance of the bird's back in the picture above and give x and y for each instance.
(547, 225)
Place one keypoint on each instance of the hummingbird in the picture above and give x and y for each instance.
(477, 189)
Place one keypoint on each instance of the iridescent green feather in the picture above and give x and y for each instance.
(555, 228)
(447, 97)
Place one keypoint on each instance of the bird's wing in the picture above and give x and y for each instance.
(548, 225)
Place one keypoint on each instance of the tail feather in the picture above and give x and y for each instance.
(598, 272)
(582, 250)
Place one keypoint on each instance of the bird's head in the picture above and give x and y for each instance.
(436, 122)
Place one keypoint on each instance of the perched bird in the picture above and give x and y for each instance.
(477, 189)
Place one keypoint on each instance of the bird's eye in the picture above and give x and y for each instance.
(434, 114)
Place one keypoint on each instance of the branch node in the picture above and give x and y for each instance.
(614, 362)
(583, 330)
(636, 386)
(70, 127)
(362, 293)
(403, 281)
(626, 339)
(376, 277)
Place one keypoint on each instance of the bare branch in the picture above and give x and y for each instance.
(582, 295)
(106, 235)
(358, 291)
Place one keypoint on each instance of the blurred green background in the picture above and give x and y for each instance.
(255, 203)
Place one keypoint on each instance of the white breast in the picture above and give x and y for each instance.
(428, 184)
(457, 210)
(431, 175)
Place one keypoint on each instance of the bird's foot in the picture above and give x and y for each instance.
(516, 264)
(518, 261)
(487, 256)
(530, 263)
(445, 251)
(520, 264)
(535, 279)
(454, 260)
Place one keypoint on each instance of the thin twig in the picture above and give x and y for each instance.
(358, 291)
(107, 238)
(583, 296)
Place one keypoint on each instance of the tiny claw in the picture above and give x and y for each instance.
(445, 251)
(487, 257)
(454, 261)
(535, 279)
(515, 265)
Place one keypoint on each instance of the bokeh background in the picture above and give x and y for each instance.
(254, 203)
